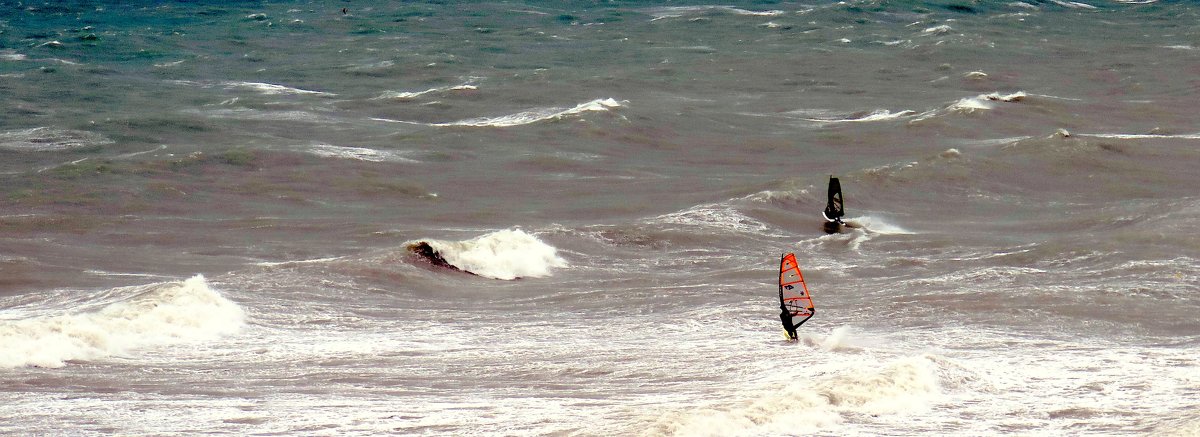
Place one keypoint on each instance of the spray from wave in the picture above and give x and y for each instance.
(507, 254)
(153, 315)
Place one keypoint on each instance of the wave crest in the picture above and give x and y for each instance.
(158, 314)
(507, 254)
(535, 115)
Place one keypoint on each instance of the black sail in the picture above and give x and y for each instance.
(833, 208)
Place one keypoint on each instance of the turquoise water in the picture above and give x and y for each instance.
(1020, 174)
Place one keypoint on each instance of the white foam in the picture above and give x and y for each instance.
(876, 115)
(660, 13)
(9, 55)
(1073, 5)
(260, 87)
(840, 339)
(409, 95)
(716, 217)
(152, 315)
(255, 114)
(535, 115)
(46, 139)
(297, 262)
(358, 153)
(1195, 136)
(1014, 97)
(813, 403)
(506, 254)
(970, 104)
(787, 195)
(271, 89)
(937, 30)
(381, 65)
(984, 101)
(877, 225)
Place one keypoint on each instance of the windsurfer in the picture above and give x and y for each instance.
(794, 301)
(833, 207)
(786, 317)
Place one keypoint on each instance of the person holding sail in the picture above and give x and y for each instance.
(833, 207)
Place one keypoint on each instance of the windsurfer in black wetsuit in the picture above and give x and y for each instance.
(785, 316)
(833, 207)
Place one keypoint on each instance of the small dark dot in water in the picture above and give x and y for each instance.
(962, 8)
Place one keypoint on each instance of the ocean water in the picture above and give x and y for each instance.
(208, 210)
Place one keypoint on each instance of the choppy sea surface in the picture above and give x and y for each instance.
(207, 211)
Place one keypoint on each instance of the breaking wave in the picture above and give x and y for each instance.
(535, 115)
(152, 315)
(876, 115)
(409, 95)
(973, 104)
(259, 87)
(506, 254)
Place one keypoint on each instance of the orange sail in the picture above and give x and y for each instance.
(794, 301)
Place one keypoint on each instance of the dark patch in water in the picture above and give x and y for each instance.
(831, 227)
(962, 9)
(431, 255)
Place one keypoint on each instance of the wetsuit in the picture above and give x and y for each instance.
(785, 316)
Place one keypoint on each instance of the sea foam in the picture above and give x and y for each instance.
(46, 139)
(358, 153)
(10, 55)
(152, 315)
(815, 403)
(876, 115)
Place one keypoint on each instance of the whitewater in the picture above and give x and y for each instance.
(566, 218)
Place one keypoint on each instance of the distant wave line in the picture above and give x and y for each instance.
(521, 118)
(1195, 136)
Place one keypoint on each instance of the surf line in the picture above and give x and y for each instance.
(795, 303)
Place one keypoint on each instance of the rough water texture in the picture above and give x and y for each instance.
(206, 213)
